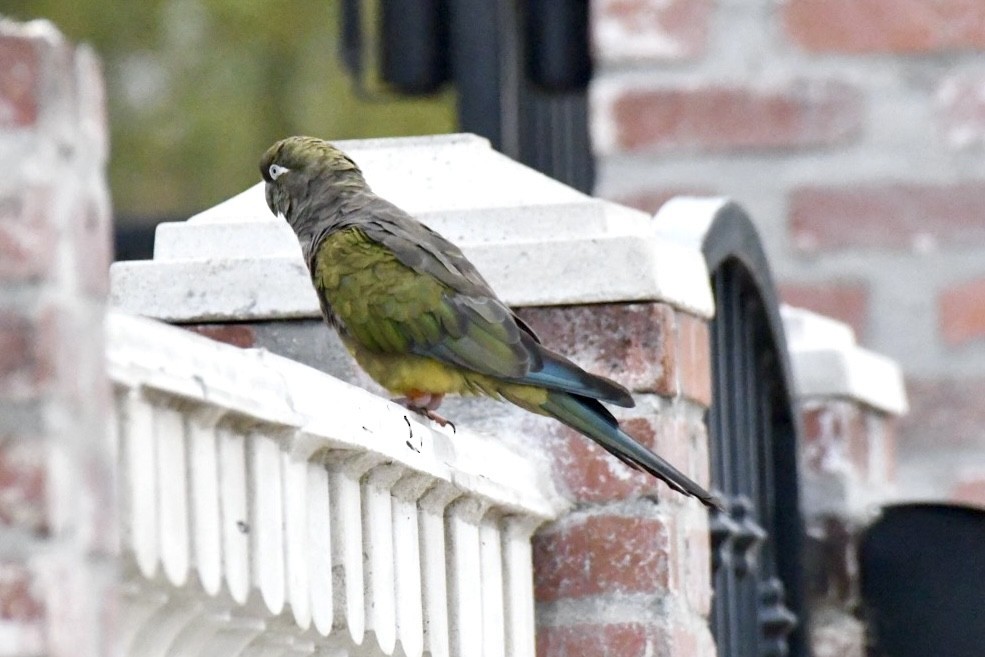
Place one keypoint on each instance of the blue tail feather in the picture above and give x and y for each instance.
(592, 419)
(556, 372)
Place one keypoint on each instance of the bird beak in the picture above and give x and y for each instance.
(270, 194)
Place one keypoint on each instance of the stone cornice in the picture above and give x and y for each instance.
(537, 241)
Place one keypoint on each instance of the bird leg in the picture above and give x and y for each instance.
(425, 403)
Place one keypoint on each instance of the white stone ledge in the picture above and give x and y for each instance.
(268, 388)
(537, 241)
(264, 500)
(826, 362)
(531, 273)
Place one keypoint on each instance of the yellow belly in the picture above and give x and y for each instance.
(410, 375)
(406, 374)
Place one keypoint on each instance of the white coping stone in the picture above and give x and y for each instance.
(268, 388)
(826, 362)
(537, 241)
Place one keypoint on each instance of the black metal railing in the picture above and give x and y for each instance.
(758, 608)
(520, 70)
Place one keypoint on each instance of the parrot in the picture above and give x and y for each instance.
(420, 319)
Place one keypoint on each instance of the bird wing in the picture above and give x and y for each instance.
(426, 298)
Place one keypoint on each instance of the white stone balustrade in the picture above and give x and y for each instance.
(270, 509)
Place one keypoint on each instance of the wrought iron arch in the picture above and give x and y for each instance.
(759, 608)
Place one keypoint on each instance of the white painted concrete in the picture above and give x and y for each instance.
(266, 502)
(826, 362)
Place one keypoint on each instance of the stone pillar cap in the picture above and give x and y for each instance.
(537, 241)
(826, 362)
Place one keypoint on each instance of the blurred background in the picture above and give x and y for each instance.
(197, 90)
(853, 131)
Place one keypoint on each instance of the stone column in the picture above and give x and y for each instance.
(57, 520)
(849, 400)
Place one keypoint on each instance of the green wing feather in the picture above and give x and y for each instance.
(397, 287)
(389, 308)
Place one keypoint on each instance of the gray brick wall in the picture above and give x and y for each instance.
(853, 131)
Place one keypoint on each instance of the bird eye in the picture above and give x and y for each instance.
(276, 171)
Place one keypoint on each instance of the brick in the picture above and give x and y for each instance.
(694, 358)
(696, 569)
(960, 101)
(683, 638)
(23, 612)
(961, 313)
(92, 503)
(671, 439)
(799, 114)
(238, 335)
(650, 29)
(683, 442)
(91, 232)
(20, 81)
(846, 301)
(885, 26)
(700, 457)
(27, 236)
(831, 427)
(20, 599)
(23, 484)
(890, 216)
(78, 591)
(871, 445)
(629, 342)
(27, 357)
(945, 414)
(604, 554)
(647, 347)
(590, 474)
(596, 640)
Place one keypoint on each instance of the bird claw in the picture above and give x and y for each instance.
(427, 412)
(434, 417)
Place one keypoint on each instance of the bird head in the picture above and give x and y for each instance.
(301, 170)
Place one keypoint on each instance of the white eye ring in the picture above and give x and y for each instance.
(276, 171)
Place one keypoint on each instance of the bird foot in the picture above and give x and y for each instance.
(441, 420)
(424, 405)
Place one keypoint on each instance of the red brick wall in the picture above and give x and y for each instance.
(57, 525)
(854, 133)
(627, 572)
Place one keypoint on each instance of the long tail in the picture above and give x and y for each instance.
(591, 418)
